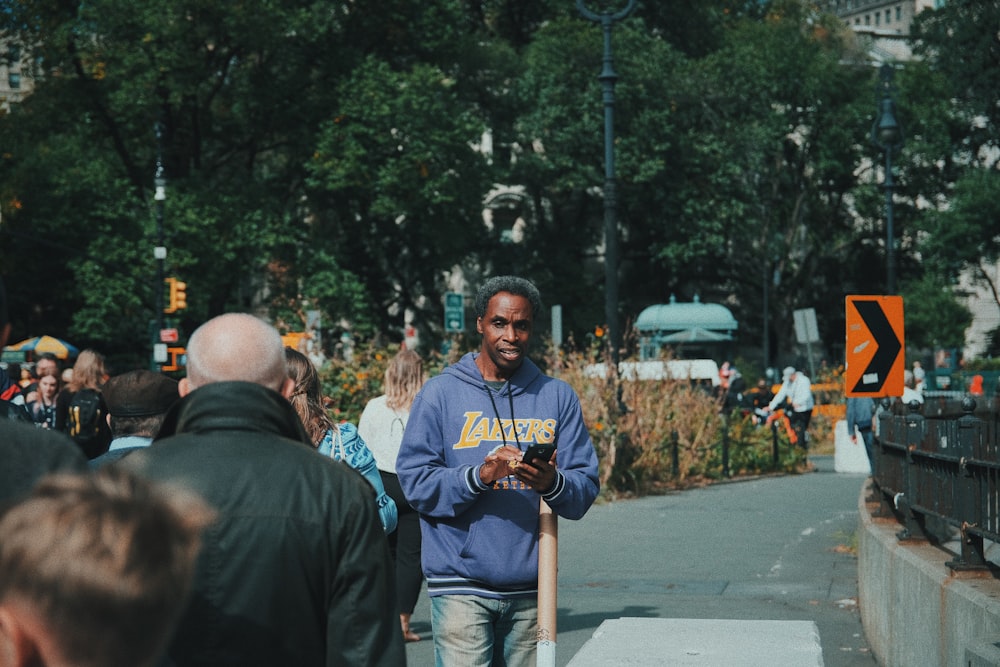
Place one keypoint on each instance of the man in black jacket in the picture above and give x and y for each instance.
(296, 569)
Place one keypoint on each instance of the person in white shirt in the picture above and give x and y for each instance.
(910, 393)
(381, 426)
(796, 388)
(918, 377)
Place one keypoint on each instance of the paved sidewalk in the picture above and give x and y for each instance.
(768, 549)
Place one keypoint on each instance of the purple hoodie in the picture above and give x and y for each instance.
(478, 539)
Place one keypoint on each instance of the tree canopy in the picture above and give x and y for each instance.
(339, 156)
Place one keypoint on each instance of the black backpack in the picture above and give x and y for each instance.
(83, 421)
(15, 412)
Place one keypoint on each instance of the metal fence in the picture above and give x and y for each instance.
(937, 471)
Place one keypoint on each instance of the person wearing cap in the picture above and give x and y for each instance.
(137, 403)
(796, 388)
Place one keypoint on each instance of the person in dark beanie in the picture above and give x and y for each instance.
(137, 402)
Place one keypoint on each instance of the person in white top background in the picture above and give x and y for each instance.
(797, 390)
(918, 376)
(381, 427)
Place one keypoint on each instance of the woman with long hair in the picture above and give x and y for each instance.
(43, 408)
(80, 407)
(338, 441)
(381, 425)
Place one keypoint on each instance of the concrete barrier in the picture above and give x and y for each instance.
(849, 456)
(690, 642)
(914, 610)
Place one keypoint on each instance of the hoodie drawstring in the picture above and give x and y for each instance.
(510, 395)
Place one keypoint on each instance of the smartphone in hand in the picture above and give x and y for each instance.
(541, 452)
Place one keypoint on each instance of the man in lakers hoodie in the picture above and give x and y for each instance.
(460, 466)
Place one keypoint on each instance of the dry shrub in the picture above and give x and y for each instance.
(656, 410)
(599, 402)
(634, 425)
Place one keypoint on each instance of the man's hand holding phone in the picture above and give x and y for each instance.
(537, 467)
(542, 452)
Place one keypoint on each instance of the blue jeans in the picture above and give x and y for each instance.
(479, 632)
(866, 437)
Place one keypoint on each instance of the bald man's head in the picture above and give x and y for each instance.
(236, 347)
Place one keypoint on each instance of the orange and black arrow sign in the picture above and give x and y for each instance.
(874, 345)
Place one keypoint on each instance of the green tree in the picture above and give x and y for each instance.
(957, 115)
(399, 184)
(220, 79)
(328, 156)
(933, 318)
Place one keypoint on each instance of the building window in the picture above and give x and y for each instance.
(14, 80)
(899, 13)
(878, 18)
(868, 19)
(888, 16)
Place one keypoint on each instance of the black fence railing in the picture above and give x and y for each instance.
(937, 471)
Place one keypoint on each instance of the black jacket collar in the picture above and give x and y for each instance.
(233, 406)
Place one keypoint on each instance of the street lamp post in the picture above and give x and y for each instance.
(160, 251)
(608, 77)
(888, 135)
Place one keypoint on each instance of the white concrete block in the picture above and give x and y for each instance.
(689, 642)
(848, 456)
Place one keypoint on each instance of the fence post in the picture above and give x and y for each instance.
(774, 445)
(968, 490)
(883, 415)
(675, 457)
(725, 445)
(912, 526)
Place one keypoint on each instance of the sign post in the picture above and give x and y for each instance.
(874, 363)
(548, 584)
(454, 312)
(807, 331)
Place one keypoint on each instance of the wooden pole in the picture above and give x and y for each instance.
(548, 566)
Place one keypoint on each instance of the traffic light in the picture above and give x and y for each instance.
(178, 295)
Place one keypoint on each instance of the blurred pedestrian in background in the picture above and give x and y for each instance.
(43, 408)
(910, 394)
(918, 376)
(29, 453)
(381, 427)
(46, 363)
(137, 403)
(860, 413)
(337, 441)
(80, 408)
(796, 388)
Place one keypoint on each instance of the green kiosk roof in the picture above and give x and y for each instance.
(715, 320)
